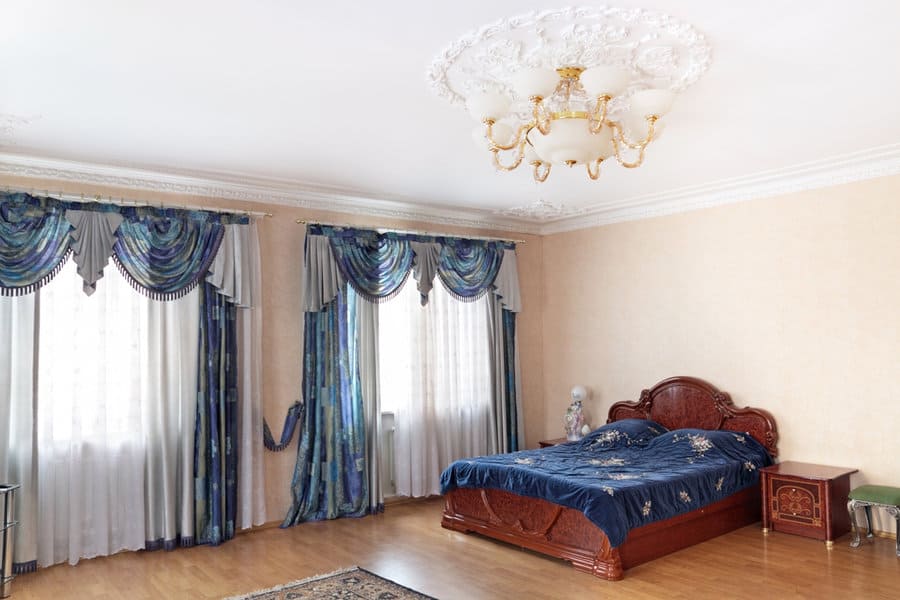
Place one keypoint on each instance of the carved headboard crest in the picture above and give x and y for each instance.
(689, 402)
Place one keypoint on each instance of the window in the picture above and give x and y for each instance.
(116, 396)
(90, 360)
(435, 376)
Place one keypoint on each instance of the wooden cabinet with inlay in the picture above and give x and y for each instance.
(806, 499)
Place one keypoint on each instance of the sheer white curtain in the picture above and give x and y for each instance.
(17, 440)
(435, 376)
(115, 412)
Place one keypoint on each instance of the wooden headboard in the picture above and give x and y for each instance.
(680, 402)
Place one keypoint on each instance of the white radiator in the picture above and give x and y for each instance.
(387, 455)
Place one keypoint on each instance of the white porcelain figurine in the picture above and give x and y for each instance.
(575, 418)
(574, 421)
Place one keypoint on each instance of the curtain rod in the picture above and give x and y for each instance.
(414, 231)
(67, 197)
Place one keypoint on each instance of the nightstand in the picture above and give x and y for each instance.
(553, 442)
(806, 499)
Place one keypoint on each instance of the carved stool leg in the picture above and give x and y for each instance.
(895, 511)
(897, 523)
(868, 509)
(854, 527)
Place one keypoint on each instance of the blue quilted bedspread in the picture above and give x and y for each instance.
(624, 474)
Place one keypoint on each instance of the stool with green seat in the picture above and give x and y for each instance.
(867, 496)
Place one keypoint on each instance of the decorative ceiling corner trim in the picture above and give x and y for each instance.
(867, 164)
(279, 192)
(882, 161)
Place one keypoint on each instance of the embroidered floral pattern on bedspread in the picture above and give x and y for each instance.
(608, 462)
(619, 483)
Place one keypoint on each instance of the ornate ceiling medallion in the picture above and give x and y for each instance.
(539, 209)
(9, 122)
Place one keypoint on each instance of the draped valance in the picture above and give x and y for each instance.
(163, 252)
(35, 244)
(377, 264)
(166, 256)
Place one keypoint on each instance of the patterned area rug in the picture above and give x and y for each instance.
(347, 584)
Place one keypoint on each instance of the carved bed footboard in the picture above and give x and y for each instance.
(566, 533)
(534, 524)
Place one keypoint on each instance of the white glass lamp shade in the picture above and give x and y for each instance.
(579, 393)
(652, 102)
(569, 140)
(535, 82)
(605, 81)
(488, 105)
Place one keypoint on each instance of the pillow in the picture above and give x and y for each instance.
(730, 444)
(627, 432)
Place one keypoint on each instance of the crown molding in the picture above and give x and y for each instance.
(881, 161)
(867, 164)
(250, 189)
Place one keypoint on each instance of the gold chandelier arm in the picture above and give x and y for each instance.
(595, 173)
(541, 175)
(520, 154)
(540, 118)
(651, 128)
(598, 115)
(517, 138)
(629, 165)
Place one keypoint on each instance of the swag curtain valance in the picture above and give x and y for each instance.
(163, 253)
(377, 265)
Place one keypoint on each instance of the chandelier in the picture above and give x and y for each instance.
(569, 87)
(569, 122)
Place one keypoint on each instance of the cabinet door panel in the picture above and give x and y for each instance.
(796, 502)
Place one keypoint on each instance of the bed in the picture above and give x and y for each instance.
(476, 503)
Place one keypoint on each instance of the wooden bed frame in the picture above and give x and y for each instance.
(566, 533)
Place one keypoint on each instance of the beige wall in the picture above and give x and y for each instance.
(281, 249)
(790, 303)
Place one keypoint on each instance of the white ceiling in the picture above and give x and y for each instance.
(328, 101)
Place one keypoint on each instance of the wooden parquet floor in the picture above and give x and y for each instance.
(408, 545)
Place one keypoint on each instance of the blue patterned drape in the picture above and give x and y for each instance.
(215, 443)
(510, 380)
(330, 478)
(467, 268)
(376, 265)
(291, 420)
(165, 256)
(164, 253)
(34, 244)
